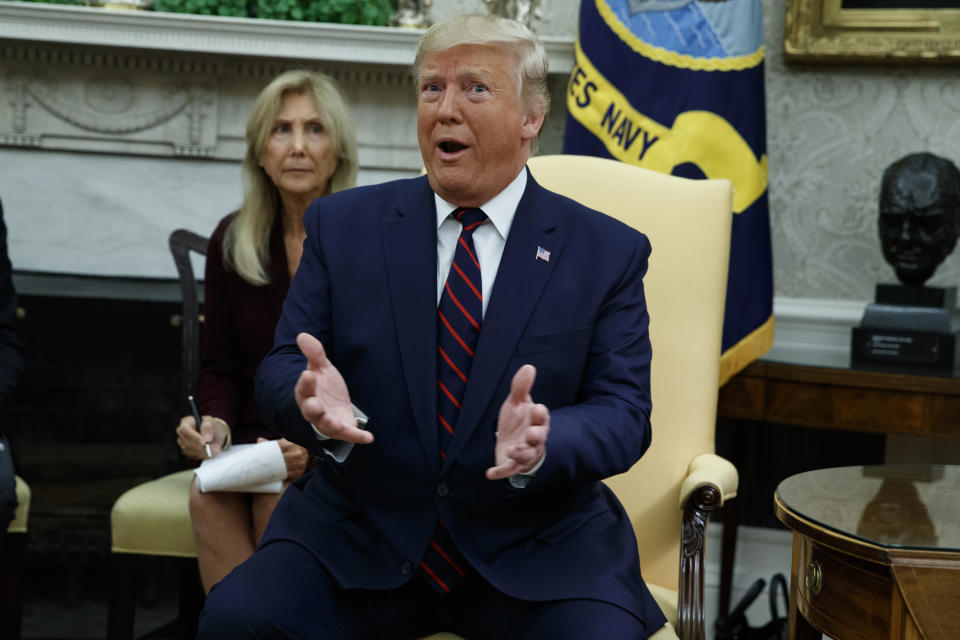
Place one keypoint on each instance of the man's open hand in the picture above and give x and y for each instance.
(322, 395)
(521, 429)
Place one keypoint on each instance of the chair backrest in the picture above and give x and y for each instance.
(182, 242)
(688, 223)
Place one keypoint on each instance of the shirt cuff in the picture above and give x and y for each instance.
(521, 480)
(340, 450)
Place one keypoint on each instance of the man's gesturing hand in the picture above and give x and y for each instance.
(322, 395)
(521, 430)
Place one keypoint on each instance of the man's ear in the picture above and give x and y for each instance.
(532, 125)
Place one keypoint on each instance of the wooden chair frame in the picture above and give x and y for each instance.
(124, 567)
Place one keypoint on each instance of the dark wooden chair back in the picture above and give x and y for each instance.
(182, 242)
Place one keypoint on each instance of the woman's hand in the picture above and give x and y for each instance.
(296, 457)
(213, 432)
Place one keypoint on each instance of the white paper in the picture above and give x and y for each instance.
(250, 468)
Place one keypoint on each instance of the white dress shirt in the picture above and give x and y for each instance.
(488, 239)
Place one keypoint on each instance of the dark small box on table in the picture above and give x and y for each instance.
(909, 328)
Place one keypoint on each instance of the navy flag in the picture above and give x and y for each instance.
(677, 86)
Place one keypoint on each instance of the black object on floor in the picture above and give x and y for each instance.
(735, 626)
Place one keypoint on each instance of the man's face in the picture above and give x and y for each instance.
(917, 224)
(474, 129)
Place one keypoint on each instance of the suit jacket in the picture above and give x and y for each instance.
(366, 287)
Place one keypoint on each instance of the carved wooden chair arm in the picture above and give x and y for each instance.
(710, 480)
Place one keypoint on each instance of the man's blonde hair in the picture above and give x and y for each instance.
(480, 29)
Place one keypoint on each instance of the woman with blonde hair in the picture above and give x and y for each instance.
(301, 145)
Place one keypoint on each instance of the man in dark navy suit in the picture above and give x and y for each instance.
(468, 355)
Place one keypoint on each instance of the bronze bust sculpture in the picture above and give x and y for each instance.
(919, 215)
(910, 327)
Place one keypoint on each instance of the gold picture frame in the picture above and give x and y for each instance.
(832, 31)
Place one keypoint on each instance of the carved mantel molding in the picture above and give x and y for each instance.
(391, 46)
(161, 84)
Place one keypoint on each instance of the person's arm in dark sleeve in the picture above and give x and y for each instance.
(307, 310)
(11, 344)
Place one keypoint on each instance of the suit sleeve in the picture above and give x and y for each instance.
(608, 430)
(306, 309)
(11, 346)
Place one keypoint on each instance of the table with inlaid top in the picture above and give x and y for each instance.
(876, 552)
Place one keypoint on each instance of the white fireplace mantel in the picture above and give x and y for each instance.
(173, 32)
(118, 126)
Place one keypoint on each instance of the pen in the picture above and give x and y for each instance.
(198, 419)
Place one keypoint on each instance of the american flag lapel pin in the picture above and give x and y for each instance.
(543, 254)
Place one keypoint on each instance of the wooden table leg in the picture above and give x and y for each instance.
(797, 626)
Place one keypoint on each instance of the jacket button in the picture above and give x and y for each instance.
(442, 489)
(406, 568)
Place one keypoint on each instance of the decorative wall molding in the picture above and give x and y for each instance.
(172, 32)
(172, 85)
(107, 104)
(126, 101)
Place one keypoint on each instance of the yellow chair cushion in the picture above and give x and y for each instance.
(19, 523)
(154, 518)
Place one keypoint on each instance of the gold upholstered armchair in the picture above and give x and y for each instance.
(153, 519)
(679, 481)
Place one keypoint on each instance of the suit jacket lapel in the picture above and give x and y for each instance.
(410, 252)
(518, 285)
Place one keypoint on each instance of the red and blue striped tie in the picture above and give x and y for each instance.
(459, 316)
